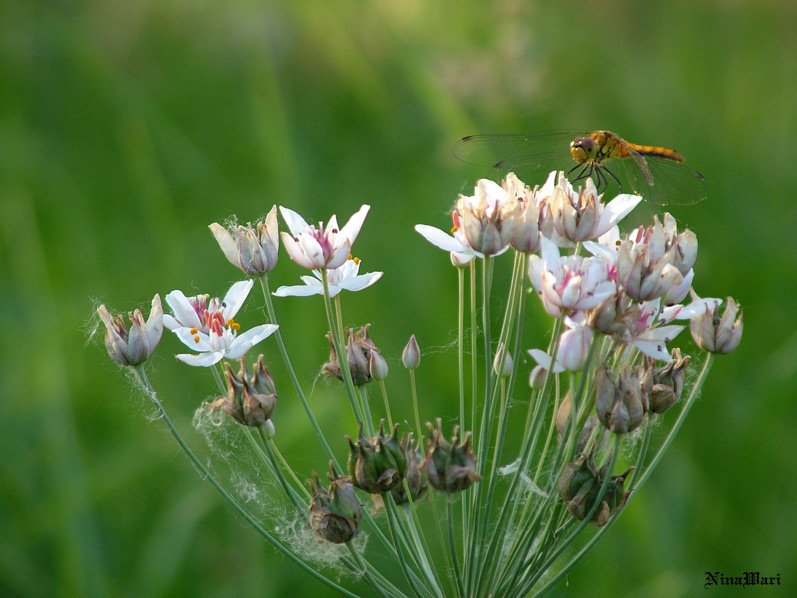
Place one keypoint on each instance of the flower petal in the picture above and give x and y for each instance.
(184, 312)
(202, 359)
(235, 297)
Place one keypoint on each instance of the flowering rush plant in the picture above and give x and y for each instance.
(504, 496)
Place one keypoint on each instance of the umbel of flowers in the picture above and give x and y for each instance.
(493, 508)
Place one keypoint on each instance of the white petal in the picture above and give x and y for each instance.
(183, 311)
(296, 252)
(544, 360)
(296, 224)
(358, 283)
(352, 228)
(235, 298)
(202, 359)
(299, 290)
(190, 340)
(440, 239)
(616, 210)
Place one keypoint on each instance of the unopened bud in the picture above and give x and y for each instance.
(504, 369)
(411, 357)
(377, 366)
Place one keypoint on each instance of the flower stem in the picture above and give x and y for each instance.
(148, 390)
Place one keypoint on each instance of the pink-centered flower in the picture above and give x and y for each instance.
(344, 278)
(569, 283)
(209, 326)
(579, 214)
(321, 246)
(488, 218)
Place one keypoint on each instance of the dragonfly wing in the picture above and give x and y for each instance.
(673, 184)
(526, 154)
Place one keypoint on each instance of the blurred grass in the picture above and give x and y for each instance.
(126, 128)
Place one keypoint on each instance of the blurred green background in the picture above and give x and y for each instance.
(127, 127)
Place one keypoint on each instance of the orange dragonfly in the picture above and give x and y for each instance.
(655, 173)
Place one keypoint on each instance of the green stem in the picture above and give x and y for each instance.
(148, 390)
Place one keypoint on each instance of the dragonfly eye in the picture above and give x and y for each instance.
(583, 149)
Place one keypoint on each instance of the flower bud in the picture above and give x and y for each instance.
(377, 365)
(718, 334)
(335, 514)
(411, 357)
(377, 465)
(252, 250)
(134, 346)
(619, 401)
(663, 386)
(358, 352)
(449, 466)
(506, 368)
(251, 399)
(537, 377)
(580, 485)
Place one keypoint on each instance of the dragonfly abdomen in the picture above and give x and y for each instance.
(660, 152)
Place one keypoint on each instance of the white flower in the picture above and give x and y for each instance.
(320, 247)
(189, 312)
(573, 348)
(209, 327)
(344, 278)
(223, 341)
(569, 283)
(488, 218)
(252, 249)
(580, 215)
(650, 338)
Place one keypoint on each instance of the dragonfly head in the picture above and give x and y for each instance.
(583, 149)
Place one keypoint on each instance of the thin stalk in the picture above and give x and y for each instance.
(148, 390)
(452, 545)
(292, 374)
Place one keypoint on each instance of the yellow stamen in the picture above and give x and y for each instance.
(194, 331)
(196, 339)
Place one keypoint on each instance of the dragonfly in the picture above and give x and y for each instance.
(656, 173)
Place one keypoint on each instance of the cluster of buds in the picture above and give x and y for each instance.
(450, 467)
(378, 464)
(580, 486)
(363, 356)
(251, 398)
(335, 513)
(624, 398)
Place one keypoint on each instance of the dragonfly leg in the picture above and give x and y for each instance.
(611, 174)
